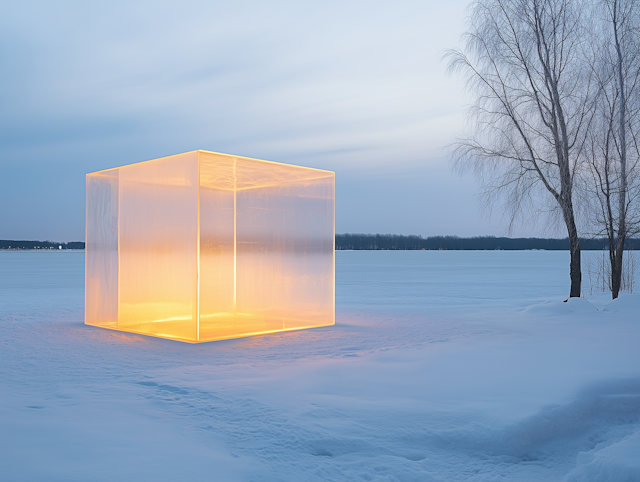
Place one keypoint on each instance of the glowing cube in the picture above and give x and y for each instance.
(204, 246)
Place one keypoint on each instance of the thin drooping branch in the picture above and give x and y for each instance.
(612, 185)
(534, 104)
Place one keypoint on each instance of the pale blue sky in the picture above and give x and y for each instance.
(357, 87)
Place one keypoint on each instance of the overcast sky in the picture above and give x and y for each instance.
(357, 87)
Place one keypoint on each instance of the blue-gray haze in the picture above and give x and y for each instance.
(357, 87)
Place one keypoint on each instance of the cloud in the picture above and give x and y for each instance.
(335, 85)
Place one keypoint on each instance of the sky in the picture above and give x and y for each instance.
(356, 87)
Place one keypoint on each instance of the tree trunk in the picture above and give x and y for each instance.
(616, 268)
(575, 272)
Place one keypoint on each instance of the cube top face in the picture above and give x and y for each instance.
(204, 246)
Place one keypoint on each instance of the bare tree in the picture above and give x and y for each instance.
(523, 60)
(612, 184)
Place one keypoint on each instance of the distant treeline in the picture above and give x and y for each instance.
(9, 244)
(398, 241)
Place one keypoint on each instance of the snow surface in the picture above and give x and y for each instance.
(442, 366)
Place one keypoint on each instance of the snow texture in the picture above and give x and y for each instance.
(442, 366)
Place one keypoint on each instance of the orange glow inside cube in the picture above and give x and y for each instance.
(204, 246)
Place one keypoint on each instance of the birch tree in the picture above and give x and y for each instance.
(533, 103)
(612, 179)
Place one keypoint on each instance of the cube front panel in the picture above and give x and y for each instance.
(205, 246)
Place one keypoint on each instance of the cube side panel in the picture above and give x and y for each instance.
(217, 262)
(101, 249)
(158, 247)
(285, 256)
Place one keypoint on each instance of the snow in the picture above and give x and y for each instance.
(619, 461)
(553, 308)
(442, 366)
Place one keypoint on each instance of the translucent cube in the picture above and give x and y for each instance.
(204, 246)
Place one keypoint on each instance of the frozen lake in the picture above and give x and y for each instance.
(395, 279)
(442, 365)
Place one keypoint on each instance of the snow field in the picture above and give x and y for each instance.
(441, 367)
